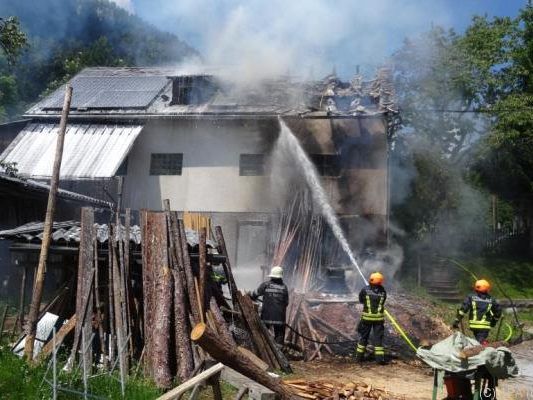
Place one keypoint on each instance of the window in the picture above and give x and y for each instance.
(166, 163)
(327, 164)
(252, 165)
(123, 168)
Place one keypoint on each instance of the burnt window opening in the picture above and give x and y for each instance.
(123, 168)
(166, 163)
(192, 89)
(252, 165)
(327, 164)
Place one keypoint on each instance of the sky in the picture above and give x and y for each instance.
(311, 36)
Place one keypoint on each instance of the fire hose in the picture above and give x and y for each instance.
(389, 316)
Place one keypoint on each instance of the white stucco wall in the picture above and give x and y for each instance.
(210, 178)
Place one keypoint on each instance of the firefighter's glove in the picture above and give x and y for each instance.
(455, 324)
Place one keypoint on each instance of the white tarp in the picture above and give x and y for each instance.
(445, 356)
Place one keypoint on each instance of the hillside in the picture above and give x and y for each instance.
(65, 36)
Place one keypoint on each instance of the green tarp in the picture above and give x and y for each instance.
(445, 356)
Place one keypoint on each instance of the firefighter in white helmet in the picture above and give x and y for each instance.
(275, 301)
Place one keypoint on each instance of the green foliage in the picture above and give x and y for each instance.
(65, 36)
(12, 39)
(505, 159)
(18, 381)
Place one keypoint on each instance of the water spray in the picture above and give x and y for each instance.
(288, 141)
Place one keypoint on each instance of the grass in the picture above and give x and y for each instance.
(19, 381)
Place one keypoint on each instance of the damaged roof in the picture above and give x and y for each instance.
(165, 92)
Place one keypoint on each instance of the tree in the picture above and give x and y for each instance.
(12, 39)
(505, 158)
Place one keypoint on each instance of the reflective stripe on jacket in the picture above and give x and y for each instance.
(373, 299)
(483, 311)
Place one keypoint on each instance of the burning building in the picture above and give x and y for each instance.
(207, 143)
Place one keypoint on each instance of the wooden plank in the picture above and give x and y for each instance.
(256, 391)
(60, 336)
(178, 391)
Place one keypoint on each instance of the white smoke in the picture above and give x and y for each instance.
(266, 38)
(125, 4)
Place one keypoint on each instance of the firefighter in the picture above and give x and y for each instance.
(483, 310)
(275, 301)
(373, 298)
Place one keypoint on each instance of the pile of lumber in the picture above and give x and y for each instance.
(334, 391)
(302, 319)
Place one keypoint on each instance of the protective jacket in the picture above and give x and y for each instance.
(373, 299)
(483, 311)
(275, 301)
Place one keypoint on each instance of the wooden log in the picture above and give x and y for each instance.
(40, 272)
(61, 334)
(185, 386)
(230, 356)
(149, 237)
(184, 355)
(252, 321)
(163, 304)
(84, 291)
(202, 278)
(189, 276)
(263, 366)
(280, 357)
(329, 326)
(220, 322)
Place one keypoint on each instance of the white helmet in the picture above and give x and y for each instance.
(276, 272)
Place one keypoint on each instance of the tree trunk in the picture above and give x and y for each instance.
(181, 326)
(186, 263)
(228, 354)
(221, 324)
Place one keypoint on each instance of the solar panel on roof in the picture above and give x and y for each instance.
(110, 92)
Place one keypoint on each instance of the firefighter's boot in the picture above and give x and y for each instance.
(360, 353)
(379, 355)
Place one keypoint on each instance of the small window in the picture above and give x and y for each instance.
(123, 168)
(252, 165)
(166, 163)
(327, 164)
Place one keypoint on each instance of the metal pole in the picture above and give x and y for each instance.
(33, 315)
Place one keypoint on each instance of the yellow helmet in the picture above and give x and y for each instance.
(482, 286)
(376, 278)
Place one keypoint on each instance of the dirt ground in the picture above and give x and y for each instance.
(411, 380)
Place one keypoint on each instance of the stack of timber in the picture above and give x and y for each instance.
(334, 391)
(166, 318)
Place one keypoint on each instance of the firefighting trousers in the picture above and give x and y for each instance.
(481, 335)
(378, 330)
(279, 332)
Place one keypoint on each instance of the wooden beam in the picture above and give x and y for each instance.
(60, 336)
(31, 328)
(178, 391)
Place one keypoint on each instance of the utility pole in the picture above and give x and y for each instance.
(38, 285)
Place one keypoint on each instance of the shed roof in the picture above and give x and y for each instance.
(90, 151)
(10, 184)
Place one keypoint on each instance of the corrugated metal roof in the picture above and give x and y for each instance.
(31, 185)
(69, 232)
(90, 151)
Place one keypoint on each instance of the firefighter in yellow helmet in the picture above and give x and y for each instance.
(373, 298)
(482, 309)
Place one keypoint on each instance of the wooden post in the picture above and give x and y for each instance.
(181, 305)
(229, 355)
(22, 297)
(84, 291)
(37, 295)
(98, 304)
(202, 249)
(191, 288)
